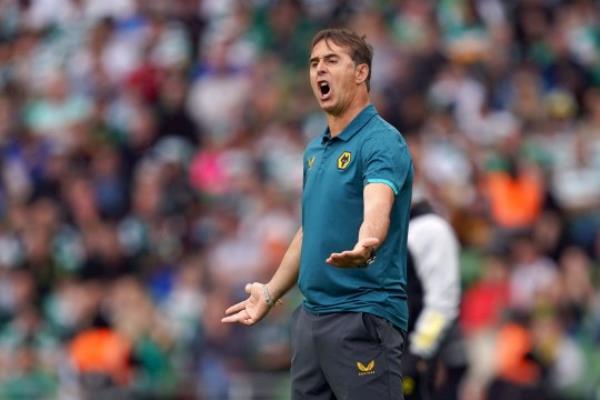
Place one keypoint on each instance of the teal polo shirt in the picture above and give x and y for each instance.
(336, 170)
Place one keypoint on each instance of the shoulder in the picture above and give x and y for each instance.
(381, 134)
(383, 140)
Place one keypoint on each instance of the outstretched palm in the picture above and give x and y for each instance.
(358, 256)
(251, 310)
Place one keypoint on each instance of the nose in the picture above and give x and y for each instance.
(321, 67)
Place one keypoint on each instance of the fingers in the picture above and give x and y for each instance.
(239, 312)
(240, 306)
(345, 254)
(242, 317)
(348, 258)
(355, 257)
(236, 307)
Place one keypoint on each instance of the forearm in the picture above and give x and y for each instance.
(286, 275)
(374, 226)
(376, 219)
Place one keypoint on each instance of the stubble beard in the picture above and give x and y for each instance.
(338, 108)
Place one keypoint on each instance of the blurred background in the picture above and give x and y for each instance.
(151, 165)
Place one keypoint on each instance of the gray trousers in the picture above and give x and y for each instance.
(345, 356)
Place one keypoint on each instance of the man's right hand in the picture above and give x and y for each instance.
(251, 310)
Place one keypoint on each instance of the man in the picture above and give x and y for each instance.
(348, 335)
(436, 360)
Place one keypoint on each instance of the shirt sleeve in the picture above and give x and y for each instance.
(386, 160)
(303, 172)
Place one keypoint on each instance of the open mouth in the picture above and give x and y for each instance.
(324, 88)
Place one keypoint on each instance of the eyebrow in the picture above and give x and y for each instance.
(328, 55)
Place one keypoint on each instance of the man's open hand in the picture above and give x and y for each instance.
(251, 310)
(356, 257)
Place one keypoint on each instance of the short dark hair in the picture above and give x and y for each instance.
(361, 52)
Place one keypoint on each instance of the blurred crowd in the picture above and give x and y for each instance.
(151, 165)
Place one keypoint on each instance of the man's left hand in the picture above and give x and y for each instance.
(357, 257)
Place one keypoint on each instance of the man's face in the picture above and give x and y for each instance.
(333, 77)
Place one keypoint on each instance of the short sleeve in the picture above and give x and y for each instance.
(386, 160)
(303, 173)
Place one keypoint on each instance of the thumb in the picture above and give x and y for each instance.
(248, 288)
(369, 242)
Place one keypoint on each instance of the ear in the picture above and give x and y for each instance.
(361, 73)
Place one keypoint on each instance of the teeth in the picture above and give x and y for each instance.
(322, 84)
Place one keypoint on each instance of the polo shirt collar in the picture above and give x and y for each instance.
(355, 125)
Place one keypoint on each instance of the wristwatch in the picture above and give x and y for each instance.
(370, 260)
(268, 299)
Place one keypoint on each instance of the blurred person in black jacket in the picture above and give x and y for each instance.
(436, 360)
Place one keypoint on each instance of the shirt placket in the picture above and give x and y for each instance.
(327, 151)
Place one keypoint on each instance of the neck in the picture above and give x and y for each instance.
(337, 123)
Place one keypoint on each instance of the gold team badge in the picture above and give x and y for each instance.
(311, 162)
(344, 160)
(363, 369)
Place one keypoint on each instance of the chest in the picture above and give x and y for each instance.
(334, 171)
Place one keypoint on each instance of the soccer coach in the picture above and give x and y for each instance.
(349, 334)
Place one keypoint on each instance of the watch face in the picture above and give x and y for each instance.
(371, 259)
